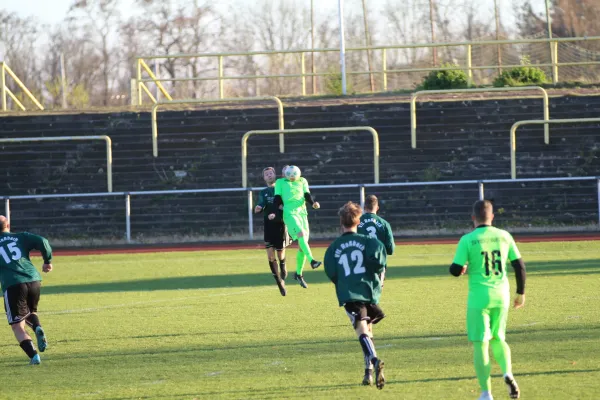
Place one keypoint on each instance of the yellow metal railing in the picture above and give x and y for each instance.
(516, 125)
(369, 129)
(5, 91)
(105, 138)
(413, 105)
(141, 83)
(198, 101)
(383, 72)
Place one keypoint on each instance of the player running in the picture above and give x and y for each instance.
(293, 192)
(21, 284)
(354, 262)
(275, 233)
(374, 226)
(486, 250)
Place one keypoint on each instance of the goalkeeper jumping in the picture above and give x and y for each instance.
(292, 191)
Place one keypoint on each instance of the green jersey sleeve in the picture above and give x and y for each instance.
(462, 252)
(278, 187)
(330, 264)
(375, 257)
(261, 199)
(513, 251)
(305, 186)
(39, 243)
(390, 246)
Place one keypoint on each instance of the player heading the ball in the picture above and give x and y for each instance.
(293, 193)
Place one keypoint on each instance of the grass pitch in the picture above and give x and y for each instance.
(212, 325)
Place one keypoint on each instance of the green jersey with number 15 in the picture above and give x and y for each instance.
(486, 250)
(15, 265)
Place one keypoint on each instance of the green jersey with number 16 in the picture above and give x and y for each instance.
(486, 250)
(353, 262)
(15, 265)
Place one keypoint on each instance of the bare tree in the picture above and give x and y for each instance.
(101, 18)
(175, 27)
(19, 37)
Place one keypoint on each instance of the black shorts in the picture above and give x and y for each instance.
(276, 235)
(21, 300)
(357, 312)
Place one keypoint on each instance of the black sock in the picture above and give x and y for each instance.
(273, 267)
(33, 321)
(368, 348)
(282, 264)
(27, 346)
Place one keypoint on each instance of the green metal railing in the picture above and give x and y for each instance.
(413, 105)
(516, 125)
(105, 138)
(369, 129)
(5, 91)
(383, 72)
(199, 101)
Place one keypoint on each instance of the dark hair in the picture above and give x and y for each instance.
(483, 210)
(371, 202)
(350, 214)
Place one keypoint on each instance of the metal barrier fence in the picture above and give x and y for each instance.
(384, 72)
(413, 105)
(369, 129)
(106, 139)
(154, 116)
(150, 205)
(4, 90)
(516, 125)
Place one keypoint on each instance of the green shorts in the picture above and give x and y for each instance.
(295, 224)
(484, 324)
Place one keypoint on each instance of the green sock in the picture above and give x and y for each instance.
(481, 359)
(501, 353)
(303, 244)
(300, 260)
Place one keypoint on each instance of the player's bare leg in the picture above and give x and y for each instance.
(282, 270)
(25, 342)
(364, 332)
(275, 271)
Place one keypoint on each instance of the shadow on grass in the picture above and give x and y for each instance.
(306, 390)
(577, 267)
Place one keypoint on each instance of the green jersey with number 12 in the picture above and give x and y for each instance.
(15, 265)
(486, 250)
(353, 262)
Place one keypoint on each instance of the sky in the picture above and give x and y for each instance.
(53, 11)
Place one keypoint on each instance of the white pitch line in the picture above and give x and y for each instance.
(137, 303)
